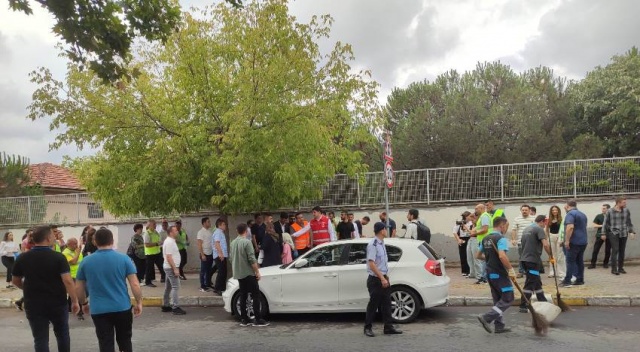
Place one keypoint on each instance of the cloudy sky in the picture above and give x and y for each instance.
(399, 41)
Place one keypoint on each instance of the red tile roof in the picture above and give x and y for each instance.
(49, 175)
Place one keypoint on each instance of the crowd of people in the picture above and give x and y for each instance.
(484, 239)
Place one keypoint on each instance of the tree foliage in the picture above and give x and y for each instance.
(606, 105)
(15, 182)
(239, 110)
(487, 116)
(99, 34)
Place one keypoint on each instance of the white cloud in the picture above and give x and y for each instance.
(399, 41)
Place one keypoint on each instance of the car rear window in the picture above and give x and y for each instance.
(428, 251)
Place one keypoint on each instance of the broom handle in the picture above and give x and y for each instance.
(515, 283)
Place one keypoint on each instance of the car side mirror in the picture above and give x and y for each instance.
(301, 263)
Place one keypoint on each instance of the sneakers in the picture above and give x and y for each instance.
(246, 322)
(481, 281)
(501, 330)
(565, 285)
(151, 285)
(484, 323)
(592, 266)
(622, 271)
(18, 305)
(166, 309)
(578, 283)
(182, 277)
(523, 310)
(205, 289)
(10, 286)
(261, 323)
(178, 311)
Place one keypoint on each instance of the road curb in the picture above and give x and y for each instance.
(574, 301)
(185, 301)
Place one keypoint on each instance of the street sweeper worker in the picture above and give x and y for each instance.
(493, 249)
(533, 240)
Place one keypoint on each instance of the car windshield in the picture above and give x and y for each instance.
(428, 251)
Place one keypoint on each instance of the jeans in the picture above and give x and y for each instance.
(379, 297)
(221, 279)
(40, 315)
(476, 268)
(206, 271)
(250, 285)
(618, 246)
(575, 263)
(558, 255)
(8, 263)
(119, 322)
(150, 275)
(596, 249)
(183, 260)
(171, 287)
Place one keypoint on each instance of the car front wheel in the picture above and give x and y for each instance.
(405, 305)
(235, 305)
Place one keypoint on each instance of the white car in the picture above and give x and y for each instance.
(332, 278)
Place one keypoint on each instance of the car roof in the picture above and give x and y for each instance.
(400, 242)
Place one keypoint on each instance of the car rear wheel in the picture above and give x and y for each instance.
(405, 305)
(235, 305)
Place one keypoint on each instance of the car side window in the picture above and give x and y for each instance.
(357, 254)
(326, 256)
(393, 253)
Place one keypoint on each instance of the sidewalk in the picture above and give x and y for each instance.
(601, 289)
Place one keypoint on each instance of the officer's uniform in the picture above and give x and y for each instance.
(378, 296)
(499, 282)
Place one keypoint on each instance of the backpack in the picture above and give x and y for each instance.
(131, 251)
(424, 233)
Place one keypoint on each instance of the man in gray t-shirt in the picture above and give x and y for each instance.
(533, 240)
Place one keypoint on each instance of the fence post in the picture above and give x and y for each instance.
(358, 190)
(78, 206)
(29, 209)
(428, 189)
(575, 180)
(502, 182)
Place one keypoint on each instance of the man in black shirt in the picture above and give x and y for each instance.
(345, 228)
(600, 239)
(47, 281)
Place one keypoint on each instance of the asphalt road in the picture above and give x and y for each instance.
(438, 329)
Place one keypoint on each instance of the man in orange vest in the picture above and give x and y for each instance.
(301, 239)
(321, 229)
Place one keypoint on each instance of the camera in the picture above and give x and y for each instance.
(459, 222)
(404, 227)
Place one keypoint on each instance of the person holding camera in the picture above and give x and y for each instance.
(461, 234)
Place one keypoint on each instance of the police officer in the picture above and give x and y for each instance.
(500, 273)
(378, 282)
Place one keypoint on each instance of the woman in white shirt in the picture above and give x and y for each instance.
(8, 252)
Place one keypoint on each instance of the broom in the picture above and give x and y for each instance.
(539, 323)
(563, 306)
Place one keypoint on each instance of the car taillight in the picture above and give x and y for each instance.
(433, 266)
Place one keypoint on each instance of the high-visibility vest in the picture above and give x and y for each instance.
(479, 226)
(153, 238)
(498, 213)
(320, 230)
(302, 241)
(182, 239)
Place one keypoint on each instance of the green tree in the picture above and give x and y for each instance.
(239, 110)
(15, 186)
(606, 104)
(99, 34)
(487, 116)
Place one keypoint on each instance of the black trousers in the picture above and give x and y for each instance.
(183, 260)
(221, 279)
(141, 267)
(154, 259)
(107, 324)
(596, 249)
(249, 285)
(379, 297)
(462, 251)
(618, 247)
(532, 283)
(8, 263)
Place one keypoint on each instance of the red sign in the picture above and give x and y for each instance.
(388, 174)
(388, 154)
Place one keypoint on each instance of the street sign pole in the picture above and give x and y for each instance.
(388, 176)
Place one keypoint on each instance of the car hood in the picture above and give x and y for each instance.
(271, 270)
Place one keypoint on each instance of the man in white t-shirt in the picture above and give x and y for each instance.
(171, 255)
(520, 223)
(206, 255)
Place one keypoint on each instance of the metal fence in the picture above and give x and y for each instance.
(558, 179)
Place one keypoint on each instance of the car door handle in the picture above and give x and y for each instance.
(330, 275)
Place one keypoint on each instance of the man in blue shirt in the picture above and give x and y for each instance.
(105, 274)
(500, 273)
(378, 283)
(575, 243)
(220, 255)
